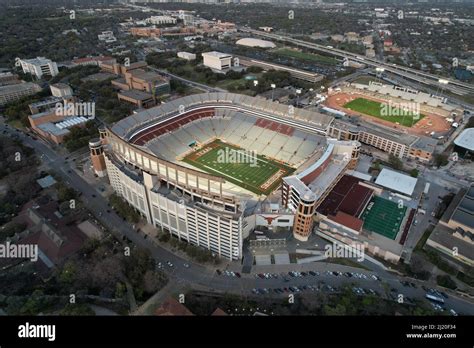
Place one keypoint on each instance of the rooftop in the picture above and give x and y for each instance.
(46, 101)
(37, 61)
(50, 128)
(464, 212)
(251, 42)
(347, 220)
(217, 54)
(60, 85)
(137, 95)
(18, 87)
(396, 181)
(172, 307)
(46, 182)
(466, 139)
(146, 75)
(444, 236)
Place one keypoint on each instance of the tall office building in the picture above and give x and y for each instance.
(39, 66)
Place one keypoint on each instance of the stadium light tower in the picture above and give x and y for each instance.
(442, 84)
(298, 92)
(378, 72)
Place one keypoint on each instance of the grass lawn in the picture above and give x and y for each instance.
(388, 113)
(256, 174)
(226, 84)
(286, 52)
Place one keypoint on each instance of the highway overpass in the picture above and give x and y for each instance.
(454, 86)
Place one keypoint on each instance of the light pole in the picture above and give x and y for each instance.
(298, 92)
(442, 83)
(378, 72)
(273, 86)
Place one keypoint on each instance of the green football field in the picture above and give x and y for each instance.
(387, 113)
(257, 174)
(385, 217)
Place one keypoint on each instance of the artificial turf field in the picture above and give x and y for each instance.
(250, 176)
(385, 217)
(374, 108)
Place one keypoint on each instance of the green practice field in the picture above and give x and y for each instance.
(305, 56)
(385, 217)
(257, 174)
(406, 118)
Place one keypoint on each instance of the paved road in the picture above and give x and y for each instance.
(204, 276)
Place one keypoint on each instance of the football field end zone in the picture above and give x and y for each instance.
(246, 169)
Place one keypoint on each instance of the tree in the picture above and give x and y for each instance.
(153, 281)
(9, 230)
(123, 209)
(68, 273)
(414, 172)
(440, 160)
(446, 281)
(76, 309)
(395, 162)
(339, 309)
(66, 193)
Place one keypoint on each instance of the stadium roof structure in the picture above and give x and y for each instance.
(250, 42)
(395, 181)
(466, 139)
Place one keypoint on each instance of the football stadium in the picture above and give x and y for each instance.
(201, 167)
(211, 168)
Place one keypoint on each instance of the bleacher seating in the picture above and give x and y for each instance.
(173, 138)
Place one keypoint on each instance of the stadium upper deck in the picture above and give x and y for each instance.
(298, 118)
